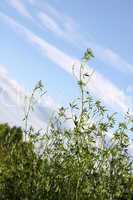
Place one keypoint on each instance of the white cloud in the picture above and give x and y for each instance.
(65, 22)
(64, 29)
(58, 23)
(19, 6)
(99, 84)
(64, 26)
(49, 10)
(109, 92)
(12, 97)
(114, 59)
(3, 71)
(49, 23)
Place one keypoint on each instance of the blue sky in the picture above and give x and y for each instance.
(41, 39)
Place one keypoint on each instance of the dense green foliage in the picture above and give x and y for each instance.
(77, 163)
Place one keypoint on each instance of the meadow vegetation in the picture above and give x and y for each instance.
(77, 162)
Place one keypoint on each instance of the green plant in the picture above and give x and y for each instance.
(77, 163)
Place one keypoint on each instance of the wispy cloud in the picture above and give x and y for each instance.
(99, 84)
(58, 23)
(12, 96)
(67, 28)
(113, 59)
(20, 7)
(50, 24)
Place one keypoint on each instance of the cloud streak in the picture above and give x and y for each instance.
(113, 59)
(20, 8)
(99, 84)
(12, 98)
(65, 27)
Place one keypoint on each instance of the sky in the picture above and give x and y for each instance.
(42, 39)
